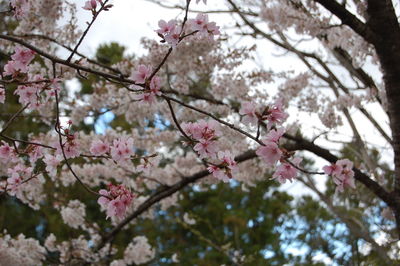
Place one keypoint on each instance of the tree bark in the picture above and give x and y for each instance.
(383, 22)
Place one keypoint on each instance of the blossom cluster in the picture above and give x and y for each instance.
(203, 27)
(200, 26)
(21, 7)
(226, 168)
(342, 174)
(19, 63)
(91, 4)
(151, 87)
(116, 200)
(273, 114)
(206, 134)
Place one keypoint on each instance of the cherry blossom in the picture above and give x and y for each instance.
(54, 86)
(21, 7)
(13, 68)
(199, 22)
(23, 55)
(270, 153)
(173, 37)
(333, 169)
(225, 170)
(248, 110)
(206, 148)
(275, 114)
(141, 74)
(5, 151)
(51, 163)
(18, 174)
(70, 147)
(122, 149)
(27, 94)
(342, 174)
(35, 152)
(205, 28)
(286, 171)
(90, 5)
(205, 133)
(166, 27)
(151, 95)
(274, 135)
(116, 200)
(21, 59)
(99, 148)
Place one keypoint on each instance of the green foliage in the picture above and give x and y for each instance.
(109, 54)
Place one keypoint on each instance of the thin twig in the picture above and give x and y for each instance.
(95, 15)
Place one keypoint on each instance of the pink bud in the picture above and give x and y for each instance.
(93, 3)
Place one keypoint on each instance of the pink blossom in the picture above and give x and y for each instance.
(342, 173)
(27, 94)
(122, 149)
(5, 151)
(2, 95)
(23, 55)
(145, 168)
(226, 169)
(141, 74)
(70, 147)
(207, 130)
(21, 8)
(19, 63)
(99, 148)
(115, 200)
(275, 114)
(55, 86)
(202, 130)
(189, 128)
(205, 28)
(18, 174)
(286, 171)
(150, 96)
(155, 86)
(166, 27)
(35, 153)
(13, 183)
(206, 148)
(199, 22)
(248, 109)
(218, 173)
(212, 29)
(173, 36)
(90, 5)
(146, 97)
(333, 169)
(205, 133)
(345, 164)
(346, 179)
(13, 68)
(274, 135)
(269, 152)
(51, 163)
